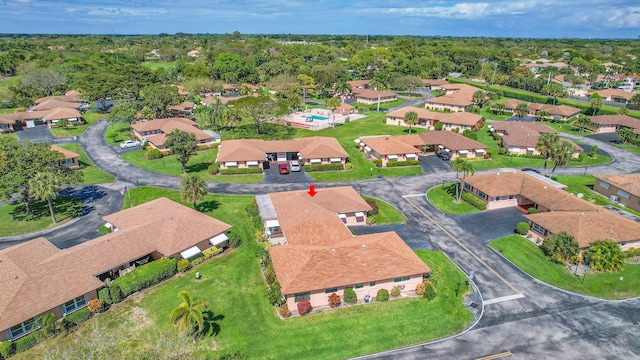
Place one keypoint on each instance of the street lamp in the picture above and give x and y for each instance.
(370, 172)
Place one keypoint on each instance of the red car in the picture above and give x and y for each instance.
(283, 168)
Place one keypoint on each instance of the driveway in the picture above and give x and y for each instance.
(410, 235)
(491, 224)
(527, 118)
(433, 164)
(273, 176)
(38, 134)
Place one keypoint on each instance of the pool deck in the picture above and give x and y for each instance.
(298, 119)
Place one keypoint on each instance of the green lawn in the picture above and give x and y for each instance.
(532, 260)
(156, 65)
(17, 221)
(440, 198)
(91, 174)
(633, 148)
(121, 129)
(387, 214)
(583, 185)
(7, 111)
(90, 117)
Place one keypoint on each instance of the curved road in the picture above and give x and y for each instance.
(522, 317)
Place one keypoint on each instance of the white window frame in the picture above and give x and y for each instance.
(25, 327)
(623, 194)
(604, 185)
(302, 296)
(77, 304)
(538, 228)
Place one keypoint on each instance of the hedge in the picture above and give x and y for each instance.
(7, 348)
(145, 276)
(471, 199)
(104, 295)
(154, 154)
(522, 228)
(26, 342)
(238, 171)
(402, 163)
(323, 167)
(77, 317)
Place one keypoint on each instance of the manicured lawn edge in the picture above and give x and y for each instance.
(444, 202)
(65, 208)
(387, 214)
(90, 172)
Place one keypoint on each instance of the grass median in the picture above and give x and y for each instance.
(442, 199)
(91, 174)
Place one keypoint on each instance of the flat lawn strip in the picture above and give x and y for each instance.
(532, 260)
(440, 198)
(122, 130)
(17, 221)
(157, 65)
(89, 117)
(90, 172)
(568, 128)
(387, 214)
(582, 185)
(632, 148)
(7, 111)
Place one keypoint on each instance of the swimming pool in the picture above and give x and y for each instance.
(316, 117)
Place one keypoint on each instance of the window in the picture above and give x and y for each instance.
(482, 195)
(360, 286)
(401, 279)
(468, 187)
(623, 194)
(604, 185)
(303, 296)
(67, 161)
(497, 198)
(73, 305)
(538, 228)
(511, 197)
(372, 284)
(331, 290)
(21, 329)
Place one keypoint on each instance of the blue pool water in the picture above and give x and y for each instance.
(316, 117)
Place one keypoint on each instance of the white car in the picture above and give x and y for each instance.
(294, 165)
(129, 143)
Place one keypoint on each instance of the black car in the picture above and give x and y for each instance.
(443, 155)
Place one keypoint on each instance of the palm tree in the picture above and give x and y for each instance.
(194, 189)
(547, 143)
(231, 118)
(45, 186)
(478, 97)
(411, 118)
(188, 314)
(458, 166)
(582, 121)
(635, 101)
(541, 115)
(245, 91)
(467, 169)
(333, 104)
(343, 88)
(521, 110)
(596, 103)
(379, 83)
(499, 108)
(562, 155)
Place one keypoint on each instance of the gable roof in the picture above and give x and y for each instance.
(451, 99)
(623, 120)
(389, 145)
(435, 82)
(626, 182)
(73, 97)
(518, 133)
(166, 126)
(53, 104)
(372, 94)
(462, 118)
(450, 140)
(606, 93)
(255, 150)
(61, 113)
(68, 154)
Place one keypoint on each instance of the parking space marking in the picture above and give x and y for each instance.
(502, 298)
(463, 246)
(496, 356)
(413, 195)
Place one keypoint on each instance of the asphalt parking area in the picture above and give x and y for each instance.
(433, 164)
(411, 236)
(273, 176)
(36, 134)
(491, 224)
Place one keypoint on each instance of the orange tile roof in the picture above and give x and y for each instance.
(255, 150)
(627, 182)
(436, 82)
(68, 154)
(358, 83)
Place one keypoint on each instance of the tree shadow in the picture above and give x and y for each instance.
(210, 324)
(194, 168)
(207, 206)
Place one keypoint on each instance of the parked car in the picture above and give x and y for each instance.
(295, 166)
(443, 155)
(283, 168)
(129, 143)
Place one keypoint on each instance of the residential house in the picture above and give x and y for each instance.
(55, 104)
(38, 278)
(556, 112)
(435, 84)
(321, 256)
(621, 188)
(458, 97)
(155, 131)
(521, 138)
(184, 109)
(359, 84)
(71, 96)
(612, 123)
(427, 119)
(615, 95)
(243, 153)
(388, 149)
(18, 120)
(366, 96)
(70, 158)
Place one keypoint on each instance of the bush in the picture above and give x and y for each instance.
(395, 291)
(283, 310)
(213, 169)
(377, 162)
(197, 261)
(50, 324)
(323, 167)
(145, 276)
(240, 171)
(115, 293)
(273, 294)
(374, 207)
(403, 163)
(349, 296)
(153, 154)
(234, 239)
(103, 294)
(76, 318)
(26, 342)
(7, 349)
(95, 306)
(334, 300)
(183, 265)
(532, 210)
(438, 126)
(522, 228)
(304, 307)
(470, 134)
(383, 295)
(211, 252)
(429, 292)
(420, 288)
(203, 147)
(502, 151)
(474, 201)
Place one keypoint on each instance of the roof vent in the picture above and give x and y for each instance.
(15, 277)
(171, 217)
(364, 246)
(149, 207)
(545, 187)
(333, 250)
(364, 264)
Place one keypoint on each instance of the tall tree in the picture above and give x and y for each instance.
(45, 80)
(554, 89)
(183, 145)
(231, 118)
(411, 118)
(541, 115)
(467, 169)
(582, 121)
(635, 101)
(343, 89)
(596, 103)
(187, 317)
(479, 97)
(260, 109)
(562, 155)
(46, 186)
(100, 86)
(546, 145)
(379, 83)
(458, 166)
(521, 110)
(307, 84)
(158, 98)
(194, 189)
(123, 111)
(333, 104)
(626, 135)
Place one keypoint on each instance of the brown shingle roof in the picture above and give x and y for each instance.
(615, 93)
(68, 154)
(435, 82)
(627, 182)
(53, 104)
(389, 145)
(523, 134)
(358, 83)
(255, 150)
(452, 100)
(72, 97)
(372, 94)
(450, 140)
(623, 120)
(61, 113)
(166, 126)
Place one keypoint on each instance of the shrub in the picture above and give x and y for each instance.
(7, 349)
(429, 292)
(349, 296)
(76, 318)
(269, 274)
(203, 147)
(633, 252)
(502, 151)
(26, 342)
(273, 294)
(211, 252)
(304, 307)
(95, 306)
(323, 167)
(438, 126)
(371, 220)
(471, 199)
(395, 291)
(153, 154)
(420, 289)
(489, 154)
(470, 134)
(197, 261)
(50, 324)
(283, 310)
(103, 294)
(383, 295)
(403, 163)
(234, 239)
(240, 171)
(115, 293)
(377, 162)
(374, 207)
(183, 265)
(334, 300)
(145, 276)
(522, 228)
(532, 210)
(213, 169)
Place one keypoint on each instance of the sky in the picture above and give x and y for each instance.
(490, 18)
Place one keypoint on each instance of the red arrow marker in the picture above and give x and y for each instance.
(312, 190)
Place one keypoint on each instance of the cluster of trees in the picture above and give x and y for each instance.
(553, 148)
(602, 255)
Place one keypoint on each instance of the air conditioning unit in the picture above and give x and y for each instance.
(613, 198)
